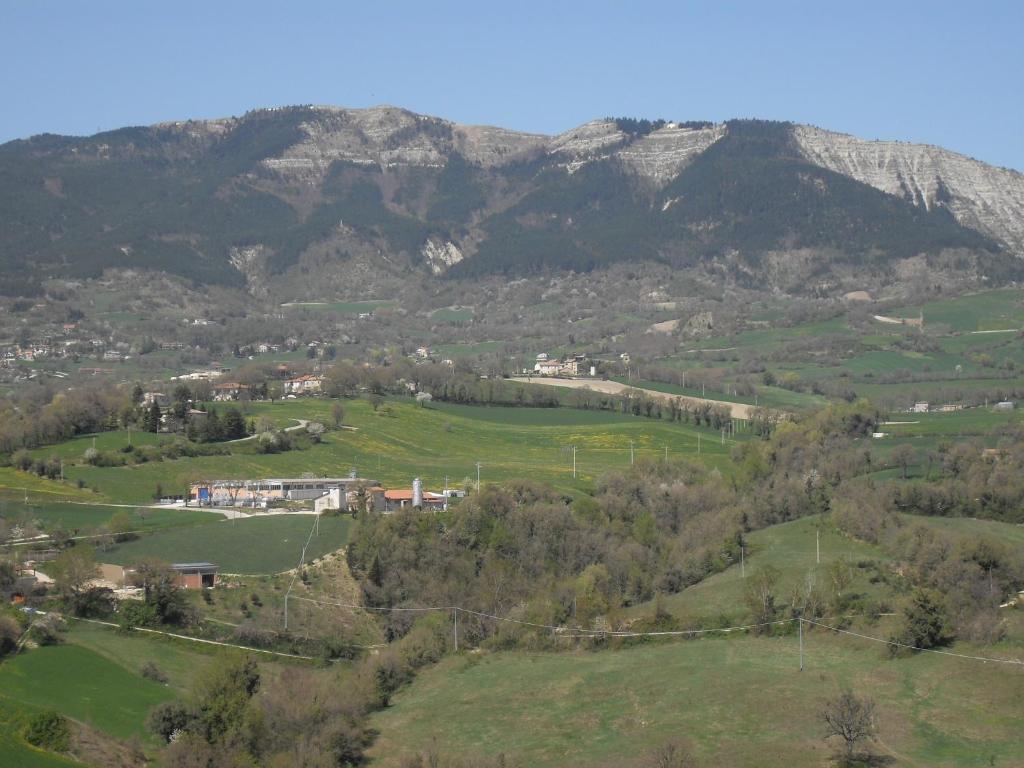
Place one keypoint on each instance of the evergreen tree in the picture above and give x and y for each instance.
(151, 421)
(233, 425)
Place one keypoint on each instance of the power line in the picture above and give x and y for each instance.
(582, 633)
(898, 644)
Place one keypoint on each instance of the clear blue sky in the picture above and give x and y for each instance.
(947, 73)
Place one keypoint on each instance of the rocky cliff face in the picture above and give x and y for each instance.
(980, 196)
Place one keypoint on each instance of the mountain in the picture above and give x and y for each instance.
(248, 201)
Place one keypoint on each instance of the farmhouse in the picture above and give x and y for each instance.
(229, 390)
(1005, 405)
(919, 408)
(571, 366)
(307, 384)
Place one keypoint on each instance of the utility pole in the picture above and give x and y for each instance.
(666, 454)
(286, 611)
(631, 453)
(800, 631)
(817, 545)
(455, 617)
(574, 462)
(478, 465)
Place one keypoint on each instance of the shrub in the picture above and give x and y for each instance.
(49, 730)
(151, 671)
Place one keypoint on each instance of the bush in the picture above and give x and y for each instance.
(167, 719)
(49, 730)
(151, 671)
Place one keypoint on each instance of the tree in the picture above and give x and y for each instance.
(73, 571)
(841, 573)
(160, 590)
(903, 456)
(850, 718)
(672, 754)
(925, 624)
(759, 594)
(151, 421)
(233, 424)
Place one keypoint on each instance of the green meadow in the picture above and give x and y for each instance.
(252, 545)
(83, 518)
(84, 686)
(735, 700)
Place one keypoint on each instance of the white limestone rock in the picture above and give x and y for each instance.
(980, 196)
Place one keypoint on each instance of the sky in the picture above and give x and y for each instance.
(935, 72)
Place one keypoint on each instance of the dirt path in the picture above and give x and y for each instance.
(737, 410)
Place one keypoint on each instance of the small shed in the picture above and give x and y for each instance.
(195, 575)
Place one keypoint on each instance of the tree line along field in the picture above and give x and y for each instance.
(401, 440)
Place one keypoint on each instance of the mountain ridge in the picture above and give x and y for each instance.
(224, 199)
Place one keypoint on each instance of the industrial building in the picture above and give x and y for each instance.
(263, 493)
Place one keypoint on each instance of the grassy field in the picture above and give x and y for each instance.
(991, 310)
(739, 701)
(401, 441)
(183, 663)
(83, 685)
(83, 518)
(254, 545)
(103, 441)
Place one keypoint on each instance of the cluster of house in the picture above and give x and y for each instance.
(347, 494)
(924, 407)
(575, 365)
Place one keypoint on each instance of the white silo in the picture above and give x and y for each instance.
(417, 492)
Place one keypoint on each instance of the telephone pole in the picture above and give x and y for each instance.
(574, 462)
(478, 465)
(817, 545)
(800, 632)
(455, 618)
(631, 453)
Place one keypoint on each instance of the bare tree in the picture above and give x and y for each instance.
(850, 718)
(672, 754)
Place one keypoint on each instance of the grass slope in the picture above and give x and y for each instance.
(83, 685)
(740, 702)
(250, 545)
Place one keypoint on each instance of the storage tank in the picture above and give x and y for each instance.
(417, 492)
